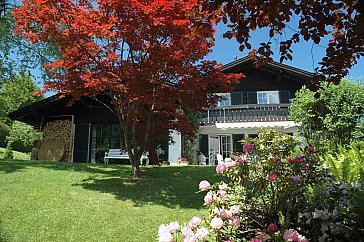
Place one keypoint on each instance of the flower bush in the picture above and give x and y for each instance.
(274, 191)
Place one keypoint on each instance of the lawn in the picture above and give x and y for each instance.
(45, 201)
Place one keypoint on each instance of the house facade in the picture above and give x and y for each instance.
(261, 100)
(89, 129)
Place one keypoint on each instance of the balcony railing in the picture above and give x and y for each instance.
(246, 113)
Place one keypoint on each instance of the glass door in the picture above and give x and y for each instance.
(225, 145)
(214, 149)
(219, 144)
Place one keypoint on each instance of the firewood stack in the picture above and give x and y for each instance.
(60, 130)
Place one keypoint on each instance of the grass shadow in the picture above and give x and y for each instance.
(169, 186)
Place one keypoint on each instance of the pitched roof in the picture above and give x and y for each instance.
(244, 62)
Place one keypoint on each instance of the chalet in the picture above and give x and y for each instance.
(261, 100)
(88, 129)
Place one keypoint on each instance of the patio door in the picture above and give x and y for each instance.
(219, 144)
(214, 149)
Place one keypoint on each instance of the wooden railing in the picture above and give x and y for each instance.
(246, 113)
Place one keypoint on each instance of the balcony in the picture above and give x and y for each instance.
(246, 113)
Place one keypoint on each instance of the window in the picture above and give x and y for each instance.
(104, 137)
(226, 102)
(268, 97)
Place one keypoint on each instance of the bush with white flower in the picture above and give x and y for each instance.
(269, 194)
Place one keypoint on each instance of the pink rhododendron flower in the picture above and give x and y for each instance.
(310, 150)
(204, 185)
(222, 212)
(163, 228)
(235, 222)
(272, 177)
(221, 168)
(202, 233)
(276, 161)
(305, 167)
(194, 222)
(186, 231)
(209, 198)
(240, 160)
(190, 238)
(235, 210)
(255, 240)
(164, 234)
(293, 235)
(174, 226)
(223, 186)
(230, 163)
(291, 160)
(300, 159)
(272, 227)
(217, 223)
(248, 147)
(165, 237)
(221, 194)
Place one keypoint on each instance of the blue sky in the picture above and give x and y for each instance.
(226, 50)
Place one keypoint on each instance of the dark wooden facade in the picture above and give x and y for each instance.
(244, 107)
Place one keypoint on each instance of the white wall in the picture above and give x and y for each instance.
(174, 150)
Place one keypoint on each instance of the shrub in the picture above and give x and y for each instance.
(22, 136)
(8, 152)
(275, 191)
(4, 132)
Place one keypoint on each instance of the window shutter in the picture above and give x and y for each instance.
(284, 96)
(252, 97)
(236, 98)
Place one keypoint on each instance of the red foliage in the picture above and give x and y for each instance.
(343, 20)
(146, 55)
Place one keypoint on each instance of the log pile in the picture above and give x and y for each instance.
(60, 130)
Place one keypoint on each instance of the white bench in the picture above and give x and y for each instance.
(123, 155)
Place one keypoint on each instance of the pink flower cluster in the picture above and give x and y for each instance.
(297, 159)
(231, 215)
(294, 236)
(276, 161)
(248, 147)
(216, 223)
(204, 185)
(209, 198)
(272, 228)
(166, 231)
(272, 177)
(222, 167)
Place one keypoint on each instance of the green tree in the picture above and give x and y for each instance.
(335, 118)
(17, 54)
(17, 93)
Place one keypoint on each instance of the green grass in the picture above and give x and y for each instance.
(17, 155)
(45, 201)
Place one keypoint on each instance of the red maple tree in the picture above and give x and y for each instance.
(342, 21)
(144, 54)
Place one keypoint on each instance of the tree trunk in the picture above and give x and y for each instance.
(135, 166)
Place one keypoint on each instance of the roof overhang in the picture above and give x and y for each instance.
(272, 66)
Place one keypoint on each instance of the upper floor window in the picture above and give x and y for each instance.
(226, 101)
(268, 97)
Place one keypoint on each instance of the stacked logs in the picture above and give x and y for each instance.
(60, 130)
